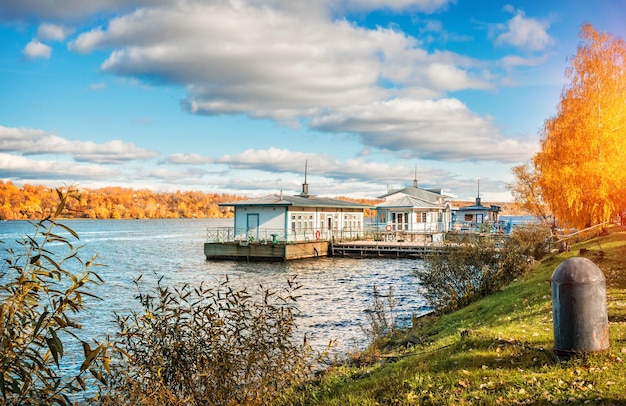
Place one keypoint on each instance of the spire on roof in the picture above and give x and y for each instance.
(305, 186)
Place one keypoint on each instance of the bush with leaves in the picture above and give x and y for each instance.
(532, 240)
(208, 345)
(460, 273)
(40, 298)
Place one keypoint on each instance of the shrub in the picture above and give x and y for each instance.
(208, 345)
(460, 273)
(381, 325)
(40, 299)
(531, 240)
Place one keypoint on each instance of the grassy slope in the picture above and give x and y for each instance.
(504, 355)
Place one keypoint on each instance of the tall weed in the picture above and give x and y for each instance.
(381, 323)
(208, 345)
(41, 297)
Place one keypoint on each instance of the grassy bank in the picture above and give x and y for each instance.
(498, 350)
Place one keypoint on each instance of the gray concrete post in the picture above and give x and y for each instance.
(579, 309)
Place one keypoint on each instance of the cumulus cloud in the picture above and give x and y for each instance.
(67, 10)
(189, 159)
(443, 129)
(35, 49)
(290, 68)
(53, 32)
(523, 32)
(280, 160)
(428, 6)
(320, 71)
(20, 167)
(26, 141)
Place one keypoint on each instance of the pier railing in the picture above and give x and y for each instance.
(281, 236)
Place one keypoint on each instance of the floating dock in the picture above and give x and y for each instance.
(382, 249)
(265, 251)
(302, 250)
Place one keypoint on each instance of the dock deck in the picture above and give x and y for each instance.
(382, 249)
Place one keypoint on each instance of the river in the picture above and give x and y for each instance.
(335, 296)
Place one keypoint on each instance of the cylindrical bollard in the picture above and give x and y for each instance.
(579, 309)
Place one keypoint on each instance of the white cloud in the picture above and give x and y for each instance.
(280, 160)
(443, 129)
(428, 6)
(512, 61)
(525, 33)
(68, 10)
(189, 159)
(308, 71)
(19, 167)
(290, 69)
(35, 49)
(53, 32)
(28, 141)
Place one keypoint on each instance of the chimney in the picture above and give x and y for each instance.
(305, 186)
(415, 178)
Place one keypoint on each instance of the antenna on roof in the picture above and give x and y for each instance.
(478, 197)
(415, 178)
(305, 186)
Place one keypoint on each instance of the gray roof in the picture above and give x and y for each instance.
(429, 195)
(298, 201)
(409, 202)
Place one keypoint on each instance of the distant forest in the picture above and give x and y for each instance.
(36, 202)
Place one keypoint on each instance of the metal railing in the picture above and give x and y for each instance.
(280, 236)
(487, 227)
(378, 232)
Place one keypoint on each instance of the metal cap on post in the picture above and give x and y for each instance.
(579, 309)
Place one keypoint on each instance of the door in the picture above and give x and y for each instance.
(252, 227)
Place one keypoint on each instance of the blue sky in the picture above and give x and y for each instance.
(234, 96)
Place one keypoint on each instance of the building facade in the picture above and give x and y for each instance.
(295, 218)
(415, 210)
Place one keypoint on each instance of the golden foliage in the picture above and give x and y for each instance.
(582, 164)
(32, 202)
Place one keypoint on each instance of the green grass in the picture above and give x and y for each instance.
(498, 350)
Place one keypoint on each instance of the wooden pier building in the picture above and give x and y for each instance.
(280, 228)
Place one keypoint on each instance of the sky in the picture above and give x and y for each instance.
(238, 96)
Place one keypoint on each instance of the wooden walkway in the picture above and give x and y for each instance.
(381, 249)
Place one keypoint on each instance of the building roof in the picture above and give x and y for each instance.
(479, 207)
(429, 195)
(297, 201)
(410, 202)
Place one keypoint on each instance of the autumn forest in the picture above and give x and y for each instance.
(35, 202)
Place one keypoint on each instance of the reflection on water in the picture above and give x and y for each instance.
(335, 293)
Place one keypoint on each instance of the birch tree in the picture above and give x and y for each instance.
(581, 167)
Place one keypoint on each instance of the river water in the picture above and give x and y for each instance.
(335, 293)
